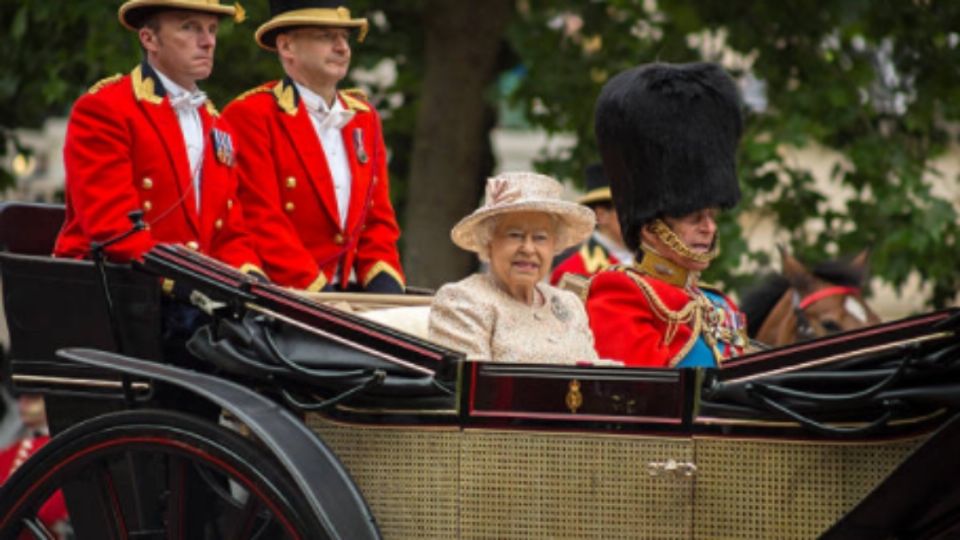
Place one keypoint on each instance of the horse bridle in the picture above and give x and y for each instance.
(804, 328)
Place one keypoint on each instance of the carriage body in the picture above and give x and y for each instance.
(429, 445)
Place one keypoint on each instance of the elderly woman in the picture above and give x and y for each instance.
(668, 135)
(508, 314)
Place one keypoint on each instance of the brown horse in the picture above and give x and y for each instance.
(802, 303)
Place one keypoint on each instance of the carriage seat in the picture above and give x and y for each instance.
(404, 312)
(50, 303)
(29, 228)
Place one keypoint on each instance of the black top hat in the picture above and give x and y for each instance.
(287, 14)
(668, 135)
(598, 187)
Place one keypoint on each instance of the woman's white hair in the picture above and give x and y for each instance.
(485, 229)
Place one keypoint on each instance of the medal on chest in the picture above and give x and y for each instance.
(222, 146)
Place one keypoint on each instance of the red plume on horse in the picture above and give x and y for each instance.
(801, 303)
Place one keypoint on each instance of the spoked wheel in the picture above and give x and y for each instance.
(156, 474)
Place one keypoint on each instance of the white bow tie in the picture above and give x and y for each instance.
(334, 119)
(188, 101)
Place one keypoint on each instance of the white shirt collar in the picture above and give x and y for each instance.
(173, 89)
(314, 102)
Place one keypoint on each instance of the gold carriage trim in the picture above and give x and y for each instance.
(97, 86)
(382, 266)
(143, 88)
(574, 399)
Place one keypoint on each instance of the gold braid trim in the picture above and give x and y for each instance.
(383, 267)
(256, 90)
(691, 314)
(318, 284)
(670, 238)
(655, 265)
(97, 86)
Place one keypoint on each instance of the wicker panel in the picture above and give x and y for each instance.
(528, 485)
(408, 477)
(751, 489)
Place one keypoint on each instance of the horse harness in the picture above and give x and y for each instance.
(804, 327)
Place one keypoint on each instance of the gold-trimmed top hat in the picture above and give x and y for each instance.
(133, 12)
(598, 187)
(287, 14)
(525, 192)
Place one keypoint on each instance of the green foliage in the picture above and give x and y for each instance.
(873, 81)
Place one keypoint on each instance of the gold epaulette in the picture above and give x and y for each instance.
(256, 90)
(356, 92)
(103, 82)
(356, 99)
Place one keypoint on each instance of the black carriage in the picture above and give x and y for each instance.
(292, 418)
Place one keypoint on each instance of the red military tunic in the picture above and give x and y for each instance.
(125, 151)
(590, 258)
(645, 321)
(288, 194)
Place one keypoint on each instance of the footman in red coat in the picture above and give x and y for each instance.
(151, 141)
(316, 189)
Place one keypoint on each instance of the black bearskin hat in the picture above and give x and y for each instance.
(668, 136)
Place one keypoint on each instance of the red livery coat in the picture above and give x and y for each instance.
(125, 151)
(628, 327)
(590, 258)
(289, 199)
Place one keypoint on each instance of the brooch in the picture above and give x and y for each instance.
(559, 310)
(222, 146)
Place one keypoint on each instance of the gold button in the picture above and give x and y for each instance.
(218, 224)
(147, 206)
(338, 239)
(289, 207)
(147, 183)
(193, 245)
(229, 204)
(291, 182)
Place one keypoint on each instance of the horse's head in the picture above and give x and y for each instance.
(826, 300)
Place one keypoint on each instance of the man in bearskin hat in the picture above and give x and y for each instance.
(317, 186)
(150, 141)
(668, 135)
(605, 246)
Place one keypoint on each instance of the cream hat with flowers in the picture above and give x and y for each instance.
(525, 192)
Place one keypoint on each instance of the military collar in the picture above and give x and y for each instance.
(146, 85)
(287, 96)
(657, 266)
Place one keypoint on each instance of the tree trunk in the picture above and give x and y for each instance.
(448, 165)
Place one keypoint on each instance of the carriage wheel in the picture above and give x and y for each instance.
(156, 474)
